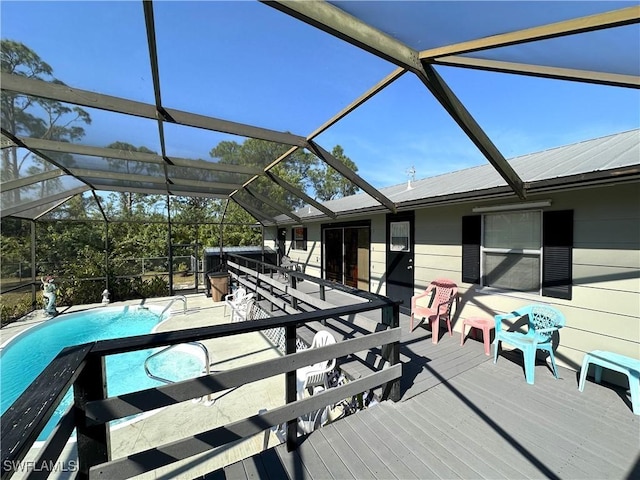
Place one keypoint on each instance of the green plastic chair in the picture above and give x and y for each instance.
(543, 322)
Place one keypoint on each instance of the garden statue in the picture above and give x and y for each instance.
(105, 297)
(49, 294)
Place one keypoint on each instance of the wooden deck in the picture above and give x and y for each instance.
(461, 416)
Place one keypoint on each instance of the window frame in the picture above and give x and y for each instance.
(539, 253)
(299, 243)
(557, 257)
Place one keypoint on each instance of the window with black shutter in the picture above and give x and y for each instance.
(557, 247)
(527, 251)
(471, 232)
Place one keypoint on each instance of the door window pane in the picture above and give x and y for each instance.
(399, 237)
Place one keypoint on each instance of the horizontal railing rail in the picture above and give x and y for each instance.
(265, 269)
(26, 418)
(84, 368)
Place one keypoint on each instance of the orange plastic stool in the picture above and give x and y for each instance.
(484, 324)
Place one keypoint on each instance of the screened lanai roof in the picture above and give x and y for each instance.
(614, 159)
(178, 78)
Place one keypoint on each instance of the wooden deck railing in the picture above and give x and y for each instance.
(84, 367)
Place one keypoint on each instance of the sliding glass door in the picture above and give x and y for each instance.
(346, 255)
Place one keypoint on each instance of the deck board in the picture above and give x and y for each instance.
(383, 443)
(485, 422)
(462, 416)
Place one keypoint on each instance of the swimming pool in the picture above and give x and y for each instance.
(24, 357)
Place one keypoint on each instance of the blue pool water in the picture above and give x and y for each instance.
(26, 356)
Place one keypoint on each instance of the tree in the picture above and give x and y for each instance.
(328, 183)
(18, 114)
(129, 202)
(260, 153)
(300, 169)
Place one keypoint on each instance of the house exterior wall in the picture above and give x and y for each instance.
(604, 311)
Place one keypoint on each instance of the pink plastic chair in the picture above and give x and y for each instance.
(446, 292)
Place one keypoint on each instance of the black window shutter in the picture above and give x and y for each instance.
(304, 238)
(557, 253)
(293, 239)
(471, 231)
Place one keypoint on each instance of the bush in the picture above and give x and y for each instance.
(13, 306)
(79, 292)
(131, 288)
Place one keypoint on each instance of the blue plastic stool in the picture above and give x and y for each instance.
(614, 361)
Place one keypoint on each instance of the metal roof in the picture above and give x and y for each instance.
(610, 158)
(590, 42)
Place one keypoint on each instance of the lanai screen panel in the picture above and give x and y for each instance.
(104, 47)
(429, 25)
(263, 68)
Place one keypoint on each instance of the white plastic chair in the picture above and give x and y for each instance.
(315, 378)
(316, 375)
(239, 302)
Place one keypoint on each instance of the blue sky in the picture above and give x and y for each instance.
(246, 62)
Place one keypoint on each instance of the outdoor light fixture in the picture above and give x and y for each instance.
(513, 206)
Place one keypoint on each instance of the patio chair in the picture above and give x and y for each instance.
(444, 293)
(287, 264)
(316, 375)
(542, 322)
(239, 302)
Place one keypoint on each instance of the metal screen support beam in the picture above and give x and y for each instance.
(340, 24)
(300, 194)
(144, 157)
(97, 199)
(260, 217)
(33, 263)
(351, 175)
(224, 210)
(7, 212)
(275, 205)
(25, 181)
(51, 209)
(542, 71)
(385, 82)
(463, 118)
(106, 254)
(19, 143)
(332, 20)
(147, 6)
(590, 23)
(169, 244)
(86, 98)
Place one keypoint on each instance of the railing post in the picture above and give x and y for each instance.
(271, 290)
(292, 284)
(323, 295)
(93, 442)
(291, 388)
(391, 351)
